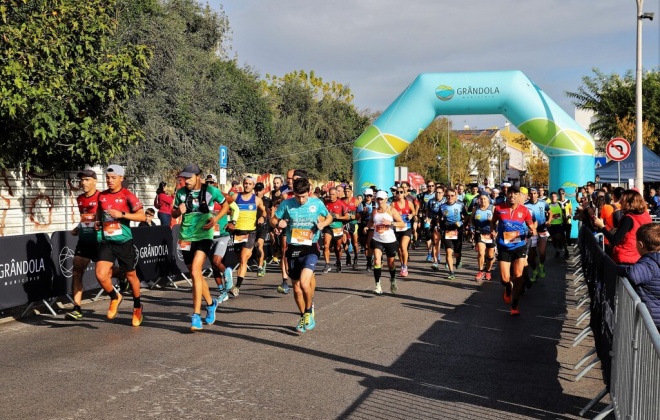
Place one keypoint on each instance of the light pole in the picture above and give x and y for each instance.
(448, 167)
(639, 152)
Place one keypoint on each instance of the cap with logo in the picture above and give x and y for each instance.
(381, 194)
(190, 170)
(368, 191)
(87, 173)
(115, 169)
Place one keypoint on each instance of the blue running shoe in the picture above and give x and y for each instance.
(301, 325)
(222, 297)
(196, 324)
(350, 248)
(283, 288)
(310, 323)
(429, 257)
(210, 312)
(229, 279)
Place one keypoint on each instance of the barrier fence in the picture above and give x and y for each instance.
(627, 342)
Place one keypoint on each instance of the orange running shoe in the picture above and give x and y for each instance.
(114, 306)
(515, 312)
(488, 277)
(137, 316)
(506, 297)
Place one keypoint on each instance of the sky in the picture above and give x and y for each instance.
(378, 47)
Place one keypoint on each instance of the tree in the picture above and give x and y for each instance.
(65, 84)
(612, 99)
(538, 171)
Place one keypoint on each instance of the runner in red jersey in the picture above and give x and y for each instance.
(334, 233)
(117, 208)
(351, 228)
(406, 209)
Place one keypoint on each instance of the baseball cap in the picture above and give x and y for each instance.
(300, 173)
(115, 169)
(368, 191)
(523, 190)
(506, 184)
(495, 190)
(259, 186)
(87, 173)
(514, 190)
(533, 189)
(381, 194)
(190, 170)
(211, 177)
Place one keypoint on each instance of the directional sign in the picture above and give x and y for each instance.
(223, 156)
(600, 161)
(617, 149)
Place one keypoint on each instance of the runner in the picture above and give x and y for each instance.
(428, 230)
(117, 208)
(513, 221)
(351, 227)
(567, 211)
(194, 203)
(452, 220)
(383, 219)
(263, 229)
(406, 209)
(364, 211)
(413, 217)
(333, 235)
(433, 218)
(557, 215)
(485, 245)
(252, 213)
(299, 218)
(540, 211)
(88, 241)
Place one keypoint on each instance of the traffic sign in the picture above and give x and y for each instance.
(600, 161)
(617, 149)
(223, 156)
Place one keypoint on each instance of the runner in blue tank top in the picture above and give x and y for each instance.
(484, 242)
(540, 211)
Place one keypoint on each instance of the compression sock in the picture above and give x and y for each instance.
(136, 302)
(77, 308)
(113, 294)
(392, 274)
(377, 271)
(239, 281)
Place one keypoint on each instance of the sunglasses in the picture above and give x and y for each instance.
(380, 199)
(451, 195)
(400, 192)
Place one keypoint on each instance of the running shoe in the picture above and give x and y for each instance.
(404, 271)
(234, 291)
(196, 324)
(137, 316)
(451, 275)
(301, 325)
(480, 276)
(309, 320)
(534, 276)
(488, 276)
(541, 271)
(261, 272)
(507, 293)
(378, 290)
(275, 260)
(429, 257)
(393, 287)
(435, 266)
(338, 267)
(75, 315)
(229, 279)
(313, 311)
(327, 268)
(515, 312)
(350, 248)
(114, 306)
(446, 265)
(460, 264)
(222, 296)
(369, 269)
(210, 312)
(283, 288)
(355, 265)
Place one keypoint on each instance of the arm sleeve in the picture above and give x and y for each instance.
(625, 226)
(235, 211)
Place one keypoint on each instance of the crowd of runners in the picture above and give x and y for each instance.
(362, 230)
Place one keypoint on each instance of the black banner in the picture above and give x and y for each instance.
(600, 275)
(26, 271)
(153, 248)
(64, 247)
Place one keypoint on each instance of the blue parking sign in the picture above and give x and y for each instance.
(223, 156)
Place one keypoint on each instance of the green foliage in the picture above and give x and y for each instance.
(64, 83)
(612, 99)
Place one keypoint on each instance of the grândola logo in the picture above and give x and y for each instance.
(444, 92)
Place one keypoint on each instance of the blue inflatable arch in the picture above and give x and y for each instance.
(569, 148)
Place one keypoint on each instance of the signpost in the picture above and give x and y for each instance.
(223, 159)
(618, 149)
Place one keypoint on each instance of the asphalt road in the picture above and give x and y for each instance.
(438, 349)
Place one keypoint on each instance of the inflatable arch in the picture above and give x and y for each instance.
(569, 148)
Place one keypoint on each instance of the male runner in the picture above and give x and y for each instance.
(539, 210)
(262, 229)
(557, 215)
(300, 219)
(453, 217)
(117, 207)
(194, 202)
(351, 227)
(427, 229)
(364, 211)
(433, 219)
(333, 234)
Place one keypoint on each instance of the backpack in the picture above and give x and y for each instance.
(203, 204)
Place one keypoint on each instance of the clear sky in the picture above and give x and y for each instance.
(378, 47)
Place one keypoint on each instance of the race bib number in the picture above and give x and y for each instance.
(556, 216)
(486, 239)
(239, 239)
(544, 234)
(511, 237)
(534, 241)
(382, 228)
(87, 220)
(451, 235)
(185, 245)
(301, 236)
(337, 232)
(403, 229)
(112, 228)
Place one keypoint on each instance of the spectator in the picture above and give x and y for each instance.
(645, 274)
(163, 202)
(149, 214)
(624, 241)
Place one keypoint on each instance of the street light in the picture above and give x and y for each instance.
(639, 152)
(448, 168)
